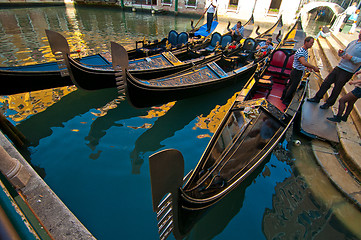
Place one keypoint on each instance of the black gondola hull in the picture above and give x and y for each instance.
(141, 96)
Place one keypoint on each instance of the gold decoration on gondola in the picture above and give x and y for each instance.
(171, 58)
(217, 47)
(168, 45)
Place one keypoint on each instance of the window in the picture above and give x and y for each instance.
(191, 3)
(167, 2)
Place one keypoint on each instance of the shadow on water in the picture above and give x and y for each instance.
(216, 219)
(179, 116)
(76, 103)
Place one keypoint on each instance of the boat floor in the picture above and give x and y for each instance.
(274, 97)
(314, 122)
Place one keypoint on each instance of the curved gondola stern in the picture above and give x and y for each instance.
(270, 31)
(166, 175)
(120, 63)
(250, 21)
(60, 48)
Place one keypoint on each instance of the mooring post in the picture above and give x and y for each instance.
(13, 170)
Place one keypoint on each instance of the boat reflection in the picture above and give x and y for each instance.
(24, 105)
(219, 215)
(75, 103)
(213, 105)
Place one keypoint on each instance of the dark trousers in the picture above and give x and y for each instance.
(209, 21)
(291, 86)
(237, 38)
(339, 77)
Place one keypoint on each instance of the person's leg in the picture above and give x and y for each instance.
(209, 21)
(326, 84)
(350, 99)
(349, 108)
(341, 105)
(341, 79)
(353, 96)
(295, 78)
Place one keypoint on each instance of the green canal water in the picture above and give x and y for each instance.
(92, 148)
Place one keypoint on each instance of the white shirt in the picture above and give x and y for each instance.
(351, 10)
(211, 9)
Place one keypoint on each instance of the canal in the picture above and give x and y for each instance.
(92, 148)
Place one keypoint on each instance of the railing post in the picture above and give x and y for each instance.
(338, 22)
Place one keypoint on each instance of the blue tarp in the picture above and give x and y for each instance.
(203, 29)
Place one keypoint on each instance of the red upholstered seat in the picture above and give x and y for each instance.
(289, 64)
(277, 61)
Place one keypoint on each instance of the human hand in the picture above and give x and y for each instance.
(341, 52)
(346, 56)
(316, 69)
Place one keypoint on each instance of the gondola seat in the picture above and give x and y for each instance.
(216, 39)
(266, 83)
(226, 39)
(182, 39)
(281, 65)
(173, 38)
(288, 68)
(277, 62)
(248, 50)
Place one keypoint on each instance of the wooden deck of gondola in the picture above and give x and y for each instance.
(314, 122)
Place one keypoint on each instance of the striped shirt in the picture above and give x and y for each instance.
(301, 52)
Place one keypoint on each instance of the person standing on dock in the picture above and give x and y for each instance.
(350, 10)
(341, 74)
(350, 98)
(211, 9)
(299, 65)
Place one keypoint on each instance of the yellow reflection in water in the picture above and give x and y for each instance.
(215, 117)
(159, 111)
(110, 105)
(30, 103)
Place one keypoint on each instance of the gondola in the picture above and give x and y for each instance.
(252, 127)
(94, 77)
(39, 76)
(202, 78)
(207, 76)
(276, 28)
(54, 74)
(87, 76)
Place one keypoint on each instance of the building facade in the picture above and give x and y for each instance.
(238, 9)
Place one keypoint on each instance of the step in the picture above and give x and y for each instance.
(328, 47)
(326, 50)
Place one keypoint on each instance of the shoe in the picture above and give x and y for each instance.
(344, 118)
(325, 106)
(314, 99)
(335, 118)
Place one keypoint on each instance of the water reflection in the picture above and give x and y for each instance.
(302, 204)
(67, 128)
(21, 106)
(40, 126)
(166, 126)
(90, 30)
